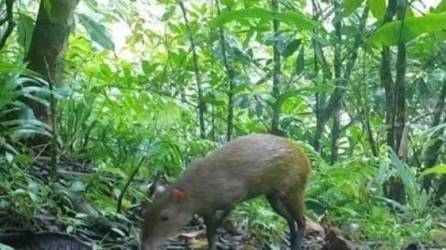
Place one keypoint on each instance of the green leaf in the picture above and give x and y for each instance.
(148, 68)
(97, 32)
(106, 70)
(22, 159)
(169, 13)
(291, 47)
(350, 6)
(10, 68)
(229, 3)
(391, 33)
(378, 8)
(300, 62)
(441, 6)
(294, 18)
(439, 169)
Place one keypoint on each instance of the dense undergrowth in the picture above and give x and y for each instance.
(122, 123)
(106, 134)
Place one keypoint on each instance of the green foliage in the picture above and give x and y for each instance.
(132, 101)
(378, 8)
(294, 19)
(410, 28)
(16, 120)
(441, 6)
(257, 217)
(97, 32)
(351, 193)
(350, 6)
(439, 169)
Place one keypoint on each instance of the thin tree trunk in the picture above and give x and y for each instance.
(396, 190)
(201, 104)
(230, 74)
(339, 83)
(343, 78)
(395, 99)
(320, 98)
(400, 88)
(331, 108)
(276, 73)
(433, 149)
(387, 80)
(365, 112)
(48, 44)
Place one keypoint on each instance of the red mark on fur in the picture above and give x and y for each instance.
(179, 195)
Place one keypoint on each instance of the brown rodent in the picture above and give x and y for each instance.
(244, 168)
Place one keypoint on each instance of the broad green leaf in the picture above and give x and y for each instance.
(378, 8)
(10, 68)
(291, 47)
(300, 62)
(350, 6)
(439, 169)
(296, 19)
(441, 6)
(391, 33)
(97, 32)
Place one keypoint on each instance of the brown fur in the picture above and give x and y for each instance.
(242, 169)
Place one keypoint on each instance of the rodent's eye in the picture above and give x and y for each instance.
(164, 218)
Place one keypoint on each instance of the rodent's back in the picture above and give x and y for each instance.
(244, 168)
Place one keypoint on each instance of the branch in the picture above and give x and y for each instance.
(201, 104)
(230, 73)
(11, 23)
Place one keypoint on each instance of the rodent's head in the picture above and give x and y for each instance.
(166, 216)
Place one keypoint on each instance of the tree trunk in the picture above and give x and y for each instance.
(230, 74)
(331, 108)
(400, 88)
(201, 103)
(395, 99)
(366, 110)
(339, 83)
(48, 44)
(276, 73)
(387, 80)
(433, 149)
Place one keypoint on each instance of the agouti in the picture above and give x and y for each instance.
(244, 168)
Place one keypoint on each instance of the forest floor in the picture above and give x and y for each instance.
(194, 238)
(64, 212)
(48, 234)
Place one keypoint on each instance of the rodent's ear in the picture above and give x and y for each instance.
(179, 195)
(159, 190)
(157, 186)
